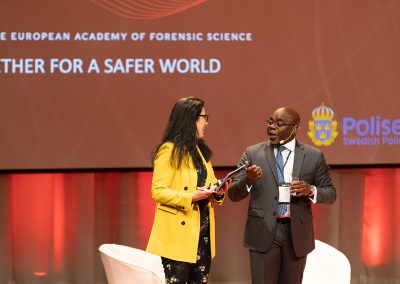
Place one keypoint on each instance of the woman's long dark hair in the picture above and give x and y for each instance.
(182, 131)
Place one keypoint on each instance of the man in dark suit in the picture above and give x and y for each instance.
(283, 178)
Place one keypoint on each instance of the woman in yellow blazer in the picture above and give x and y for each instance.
(183, 232)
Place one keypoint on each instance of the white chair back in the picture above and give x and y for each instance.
(325, 264)
(127, 265)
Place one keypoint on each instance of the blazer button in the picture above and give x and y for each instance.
(183, 223)
(185, 188)
(276, 197)
(274, 213)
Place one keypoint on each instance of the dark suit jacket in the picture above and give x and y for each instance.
(309, 165)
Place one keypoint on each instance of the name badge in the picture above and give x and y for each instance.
(284, 193)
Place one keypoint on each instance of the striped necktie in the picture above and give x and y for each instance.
(282, 207)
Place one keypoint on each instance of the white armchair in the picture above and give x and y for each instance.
(126, 265)
(327, 265)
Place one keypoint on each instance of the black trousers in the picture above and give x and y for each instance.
(279, 265)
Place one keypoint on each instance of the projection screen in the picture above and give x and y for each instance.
(90, 83)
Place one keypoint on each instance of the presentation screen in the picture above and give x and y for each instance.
(90, 84)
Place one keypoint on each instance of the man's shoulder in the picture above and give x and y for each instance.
(258, 146)
(308, 148)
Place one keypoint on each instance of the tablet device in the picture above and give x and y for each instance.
(228, 176)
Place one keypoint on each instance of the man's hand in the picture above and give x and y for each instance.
(301, 188)
(253, 173)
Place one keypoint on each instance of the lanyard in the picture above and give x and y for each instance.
(287, 158)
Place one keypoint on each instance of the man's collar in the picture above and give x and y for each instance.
(291, 144)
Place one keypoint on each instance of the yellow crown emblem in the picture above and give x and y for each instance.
(322, 130)
(322, 113)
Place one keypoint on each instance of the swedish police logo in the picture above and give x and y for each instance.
(323, 129)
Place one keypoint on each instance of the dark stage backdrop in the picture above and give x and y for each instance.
(52, 224)
(89, 83)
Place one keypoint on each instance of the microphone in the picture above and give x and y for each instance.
(283, 141)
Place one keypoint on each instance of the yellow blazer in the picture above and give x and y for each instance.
(176, 228)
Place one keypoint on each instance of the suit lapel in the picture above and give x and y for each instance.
(269, 154)
(298, 159)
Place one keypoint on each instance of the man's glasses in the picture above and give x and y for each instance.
(279, 123)
(205, 116)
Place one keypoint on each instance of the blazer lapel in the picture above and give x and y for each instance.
(269, 153)
(298, 160)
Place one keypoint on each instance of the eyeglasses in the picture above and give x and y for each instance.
(278, 123)
(205, 116)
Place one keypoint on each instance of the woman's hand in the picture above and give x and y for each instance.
(202, 193)
(224, 188)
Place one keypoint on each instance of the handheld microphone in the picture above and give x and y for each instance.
(283, 141)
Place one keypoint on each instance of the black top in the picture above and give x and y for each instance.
(204, 219)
